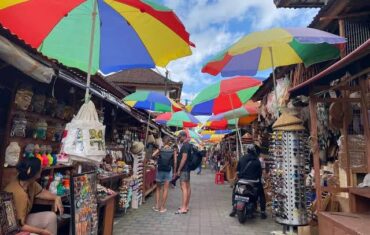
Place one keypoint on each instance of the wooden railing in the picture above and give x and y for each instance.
(357, 32)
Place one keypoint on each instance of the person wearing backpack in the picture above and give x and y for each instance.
(183, 171)
(166, 163)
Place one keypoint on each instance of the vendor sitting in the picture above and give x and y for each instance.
(25, 189)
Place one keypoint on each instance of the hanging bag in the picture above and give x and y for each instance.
(84, 136)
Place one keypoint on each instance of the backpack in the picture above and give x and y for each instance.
(195, 158)
(165, 160)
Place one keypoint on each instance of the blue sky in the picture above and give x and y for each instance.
(215, 24)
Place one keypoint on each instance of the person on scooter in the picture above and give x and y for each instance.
(252, 172)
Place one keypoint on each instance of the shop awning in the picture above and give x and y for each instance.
(18, 58)
(361, 51)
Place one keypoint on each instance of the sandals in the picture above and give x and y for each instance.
(186, 210)
(163, 210)
(155, 209)
(179, 212)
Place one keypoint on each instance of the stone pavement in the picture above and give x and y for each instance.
(209, 214)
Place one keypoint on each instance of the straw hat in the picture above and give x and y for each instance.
(137, 147)
(294, 127)
(247, 136)
(286, 119)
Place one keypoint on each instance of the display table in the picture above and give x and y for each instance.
(359, 199)
(149, 180)
(340, 223)
(107, 206)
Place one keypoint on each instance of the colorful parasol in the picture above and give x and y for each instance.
(150, 100)
(249, 109)
(213, 138)
(211, 132)
(92, 35)
(128, 34)
(229, 124)
(178, 119)
(224, 95)
(275, 47)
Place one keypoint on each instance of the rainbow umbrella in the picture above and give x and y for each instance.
(224, 95)
(211, 132)
(92, 35)
(275, 47)
(232, 123)
(178, 119)
(215, 138)
(150, 101)
(249, 109)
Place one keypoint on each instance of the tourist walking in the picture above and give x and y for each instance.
(165, 166)
(183, 171)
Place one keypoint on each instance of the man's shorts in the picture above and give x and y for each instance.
(163, 176)
(185, 176)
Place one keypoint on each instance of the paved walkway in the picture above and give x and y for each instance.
(209, 214)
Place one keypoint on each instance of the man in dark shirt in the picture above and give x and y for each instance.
(249, 168)
(183, 171)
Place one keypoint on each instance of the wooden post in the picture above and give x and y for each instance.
(315, 150)
(342, 33)
(365, 118)
(344, 132)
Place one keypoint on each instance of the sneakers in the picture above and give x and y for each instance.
(233, 213)
(263, 215)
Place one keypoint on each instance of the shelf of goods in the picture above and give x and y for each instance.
(290, 151)
(125, 194)
(138, 175)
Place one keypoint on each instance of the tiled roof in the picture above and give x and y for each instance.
(140, 76)
(299, 3)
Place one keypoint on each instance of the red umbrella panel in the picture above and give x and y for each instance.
(225, 95)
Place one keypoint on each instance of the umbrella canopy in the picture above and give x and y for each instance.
(213, 138)
(149, 100)
(129, 34)
(249, 109)
(232, 123)
(225, 95)
(275, 47)
(178, 119)
(211, 132)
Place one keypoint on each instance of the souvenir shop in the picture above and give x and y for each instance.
(318, 149)
(339, 109)
(38, 98)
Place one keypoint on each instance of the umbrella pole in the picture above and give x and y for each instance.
(237, 129)
(92, 37)
(274, 78)
(237, 145)
(147, 130)
(240, 138)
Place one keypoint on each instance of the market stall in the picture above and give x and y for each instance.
(34, 117)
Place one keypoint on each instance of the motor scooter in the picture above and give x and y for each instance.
(246, 196)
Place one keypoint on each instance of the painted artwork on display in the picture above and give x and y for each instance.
(85, 208)
(8, 219)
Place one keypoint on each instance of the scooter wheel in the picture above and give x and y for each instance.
(242, 216)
